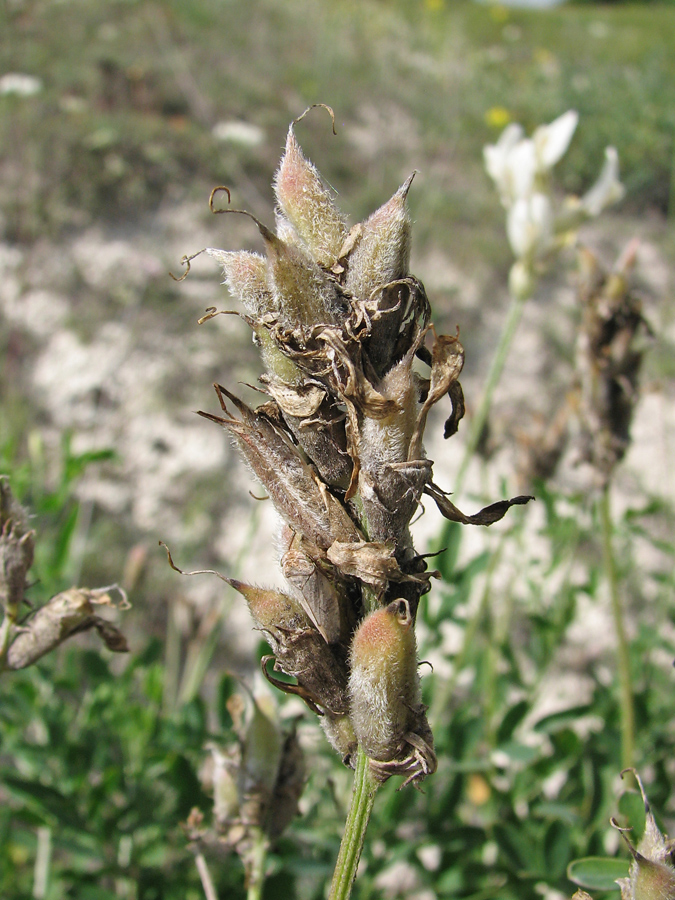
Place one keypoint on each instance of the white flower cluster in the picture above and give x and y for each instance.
(520, 168)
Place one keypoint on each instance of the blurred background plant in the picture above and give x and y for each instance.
(117, 121)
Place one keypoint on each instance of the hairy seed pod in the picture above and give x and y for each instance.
(308, 205)
(246, 279)
(303, 293)
(384, 687)
(300, 650)
(298, 495)
(381, 253)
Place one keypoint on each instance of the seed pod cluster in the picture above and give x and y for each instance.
(338, 445)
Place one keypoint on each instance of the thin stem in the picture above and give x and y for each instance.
(42, 863)
(205, 877)
(622, 650)
(255, 868)
(363, 798)
(513, 317)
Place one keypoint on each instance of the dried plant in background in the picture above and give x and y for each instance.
(23, 641)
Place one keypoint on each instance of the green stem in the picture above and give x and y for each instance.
(622, 650)
(256, 866)
(363, 798)
(513, 317)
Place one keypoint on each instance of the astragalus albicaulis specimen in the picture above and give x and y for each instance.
(342, 325)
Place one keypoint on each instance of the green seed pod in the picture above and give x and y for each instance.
(384, 687)
(307, 203)
(261, 745)
(303, 293)
(246, 279)
(382, 252)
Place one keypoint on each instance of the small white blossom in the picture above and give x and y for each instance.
(520, 168)
(607, 189)
(235, 131)
(20, 84)
(551, 141)
(529, 226)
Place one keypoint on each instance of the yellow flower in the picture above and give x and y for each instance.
(497, 117)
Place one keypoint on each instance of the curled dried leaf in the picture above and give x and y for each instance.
(372, 562)
(486, 516)
(447, 361)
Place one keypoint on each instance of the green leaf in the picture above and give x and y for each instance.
(512, 720)
(557, 848)
(562, 718)
(597, 873)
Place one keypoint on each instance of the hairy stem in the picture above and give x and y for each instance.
(363, 798)
(622, 650)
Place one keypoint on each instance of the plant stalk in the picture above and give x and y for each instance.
(205, 878)
(363, 798)
(255, 868)
(622, 650)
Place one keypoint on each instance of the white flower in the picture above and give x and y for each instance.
(520, 167)
(22, 85)
(607, 189)
(551, 141)
(497, 160)
(516, 164)
(529, 226)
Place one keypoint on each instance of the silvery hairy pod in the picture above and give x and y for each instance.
(343, 328)
(386, 708)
